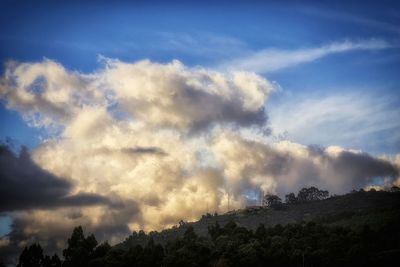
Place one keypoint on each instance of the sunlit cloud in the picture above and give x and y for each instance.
(162, 142)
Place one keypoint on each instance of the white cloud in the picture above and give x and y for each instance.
(269, 60)
(348, 119)
(164, 141)
(174, 96)
(46, 93)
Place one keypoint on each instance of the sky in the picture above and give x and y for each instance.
(131, 113)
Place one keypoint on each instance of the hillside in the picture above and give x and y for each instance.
(357, 229)
(353, 210)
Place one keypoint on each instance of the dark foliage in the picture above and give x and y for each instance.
(291, 198)
(311, 194)
(272, 201)
(320, 242)
(80, 249)
(303, 244)
(306, 195)
(32, 256)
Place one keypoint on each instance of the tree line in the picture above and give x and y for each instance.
(304, 195)
(302, 244)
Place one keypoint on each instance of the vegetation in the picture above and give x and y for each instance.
(32, 256)
(307, 195)
(272, 201)
(307, 244)
(331, 240)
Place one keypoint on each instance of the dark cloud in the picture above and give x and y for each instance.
(145, 150)
(112, 226)
(342, 172)
(362, 168)
(24, 185)
(288, 167)
(206, 110)
(365, 165)
(54, 236)
(339, 173)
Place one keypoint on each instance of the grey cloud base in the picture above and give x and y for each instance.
(24, 186)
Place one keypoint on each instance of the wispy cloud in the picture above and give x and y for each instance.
(205, 44)
(349, 120)
(268, 60)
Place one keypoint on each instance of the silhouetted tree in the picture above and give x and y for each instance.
(231, 245)
(54, 261)
(272, 201)
(31, 256)
(394, 189)
(214, 230)
(80, 249)
(311, 194)
(290, 198)
(101, 250)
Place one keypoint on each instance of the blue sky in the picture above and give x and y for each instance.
(209, 35)
(343, 90)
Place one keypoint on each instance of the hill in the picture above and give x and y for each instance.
(357, 229)
(354, 210)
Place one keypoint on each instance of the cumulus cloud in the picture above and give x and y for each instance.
(163, 142)
(159, 95)
(269, 60)
(45, 93)
(284, 167)
(174, 96)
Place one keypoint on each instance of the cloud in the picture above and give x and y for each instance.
(45, 93)
(144, 150)
(24, 186)
(204, 45)
(51, 229)
(174, 96)
(168, 95)
(163, 142)
(269, 60)
(285, 167)
(367, 122)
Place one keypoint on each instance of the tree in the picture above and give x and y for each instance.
(272, 201)
(80, 249)
(290, 198)
(311, 194)
(394, 189)
(101, 250)
(189, 234)
(51, 262)
(55, 261)
(31, 256)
